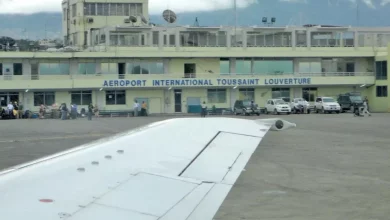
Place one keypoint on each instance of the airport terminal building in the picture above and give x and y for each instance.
(116, 56)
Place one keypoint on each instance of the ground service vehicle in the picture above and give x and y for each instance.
(347, 101)
(244, 107)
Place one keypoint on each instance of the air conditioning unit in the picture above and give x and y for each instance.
(89, 20)
(126, 20)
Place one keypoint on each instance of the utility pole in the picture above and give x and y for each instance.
(235, 22)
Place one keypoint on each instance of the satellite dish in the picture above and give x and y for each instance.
(133, 19)
(143, 19)
(169, 16)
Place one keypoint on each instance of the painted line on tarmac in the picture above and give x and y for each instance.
(56, 138)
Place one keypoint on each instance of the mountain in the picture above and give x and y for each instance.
(320, 12)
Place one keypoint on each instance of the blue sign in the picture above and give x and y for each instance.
(288, 81)
(204, 82)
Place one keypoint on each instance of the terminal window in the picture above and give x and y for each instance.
(247, 94)
(381, 70)
(381, 91)
(116, 97)
(81, 97)
(216, 95)
(6, 97)
(309, 94)
(46, 98)
(280, 92)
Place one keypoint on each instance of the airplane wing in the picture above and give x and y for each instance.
(170, 170)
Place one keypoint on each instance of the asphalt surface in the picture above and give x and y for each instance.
(329, 167)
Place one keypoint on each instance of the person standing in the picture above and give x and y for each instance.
(90, 111)
(143, 109)
(204, 109)
(135, 108)
(64, 112)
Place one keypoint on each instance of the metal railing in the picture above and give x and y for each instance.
(181, 75)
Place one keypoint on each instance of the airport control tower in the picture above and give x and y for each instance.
(82, 16)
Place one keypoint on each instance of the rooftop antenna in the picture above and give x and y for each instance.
(357, 13)
(235, 22)
(196, 23)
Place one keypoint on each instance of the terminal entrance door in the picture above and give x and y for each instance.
(177, 100)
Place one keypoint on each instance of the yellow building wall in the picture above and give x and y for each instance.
(380, 104)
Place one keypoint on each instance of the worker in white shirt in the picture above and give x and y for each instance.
(10, 108)
(135, 108)
(365, 110)
(204, 108)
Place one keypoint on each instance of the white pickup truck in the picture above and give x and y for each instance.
(299, 101)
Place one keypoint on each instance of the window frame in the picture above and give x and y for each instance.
(280, 90)
(381, 91)
(44, 95)
(213, 96)
(381, 71)
(115, 93)
(81, 94)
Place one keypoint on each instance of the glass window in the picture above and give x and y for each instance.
(74, 10)
(247, 94)
(18, 69)
(381, 91)
(109, 68)
(243, 67)
(116, 97)
(7, 97)
(381, 70)
(224, 67)
(310, 67)
(273, 66)
(216, 95)
(145, 67)
(87, 68)
(328, 100)
(1, 69)
(309, 94)
(280, 92)
(81, 97)
(156, 67)
(54, 69)
(46, 98)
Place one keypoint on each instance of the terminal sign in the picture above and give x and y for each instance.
(205, 82)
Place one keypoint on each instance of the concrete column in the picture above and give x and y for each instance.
(356, 39)
(308, 39)
(228, 39)
(177, 39)
(341, 39)
(244, 39)
(293, 39)
(232, 66)
(73, 67)
(233, 97)
(160, 40)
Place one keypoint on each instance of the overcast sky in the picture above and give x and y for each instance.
(157, 6)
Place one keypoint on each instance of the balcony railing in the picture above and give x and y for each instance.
(181, 75)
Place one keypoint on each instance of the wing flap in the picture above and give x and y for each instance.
(184, 209)
(219, 157)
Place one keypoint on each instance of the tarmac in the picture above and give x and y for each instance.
(331, 167)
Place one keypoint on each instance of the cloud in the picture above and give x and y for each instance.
(155, 6)
(294, 1)
(368, 3)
